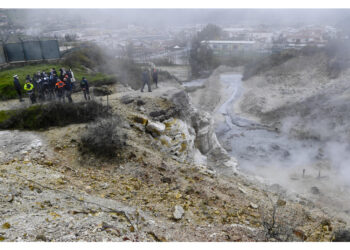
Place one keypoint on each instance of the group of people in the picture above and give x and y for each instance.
(50, 86)
(146, 79)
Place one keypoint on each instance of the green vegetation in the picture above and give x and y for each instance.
(90, 56)
(7, 90)
(53, 114)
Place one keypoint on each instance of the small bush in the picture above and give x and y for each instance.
(104, 138)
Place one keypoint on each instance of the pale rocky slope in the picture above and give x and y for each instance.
(51, 192)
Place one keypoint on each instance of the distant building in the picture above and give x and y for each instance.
(307, 36)
(231, 47)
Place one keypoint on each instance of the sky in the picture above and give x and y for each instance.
(181, 17)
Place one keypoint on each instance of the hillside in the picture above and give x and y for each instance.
(54, 192)
(297, 95)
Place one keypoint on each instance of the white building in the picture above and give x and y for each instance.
(230, 47)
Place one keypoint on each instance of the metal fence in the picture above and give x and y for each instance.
(29, 51)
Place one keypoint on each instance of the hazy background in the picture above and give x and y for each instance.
(169, 17)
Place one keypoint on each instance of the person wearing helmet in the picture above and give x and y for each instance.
(18, 87)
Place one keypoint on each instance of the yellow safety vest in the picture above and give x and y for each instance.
(28, 88)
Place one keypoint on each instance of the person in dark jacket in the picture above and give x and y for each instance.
(52, 83)
(18, 87)
(145, 80)
(29, 79)
(68, 88)
(62, 73)
(45, 83)
(53, 71)
(85, 87)
(155, 77)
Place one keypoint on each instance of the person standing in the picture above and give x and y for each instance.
(52, 85)
(85, 87)
(45, 88)
(72, 78)
(145, 80)
(155, 77)
(68, 89)
(53, 71)
(17, 87)
(29, 79)
(29, 87)
(62, 73)
(60, 90)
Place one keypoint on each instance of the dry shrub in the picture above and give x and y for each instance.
(104, 138)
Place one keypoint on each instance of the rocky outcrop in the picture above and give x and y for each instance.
(156, 128)
(127, 99)
(178, 212)
(205, 138)
(101, 91)
(187, 136)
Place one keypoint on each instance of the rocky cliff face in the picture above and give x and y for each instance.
(205, 138)
(187, 135)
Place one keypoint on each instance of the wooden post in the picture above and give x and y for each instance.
(107, 103)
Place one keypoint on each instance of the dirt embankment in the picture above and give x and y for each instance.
(51, 192)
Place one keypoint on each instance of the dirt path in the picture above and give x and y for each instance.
(164, 89)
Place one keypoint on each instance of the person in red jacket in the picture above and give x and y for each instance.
(60, 90)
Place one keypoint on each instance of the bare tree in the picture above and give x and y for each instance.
(276, 224)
